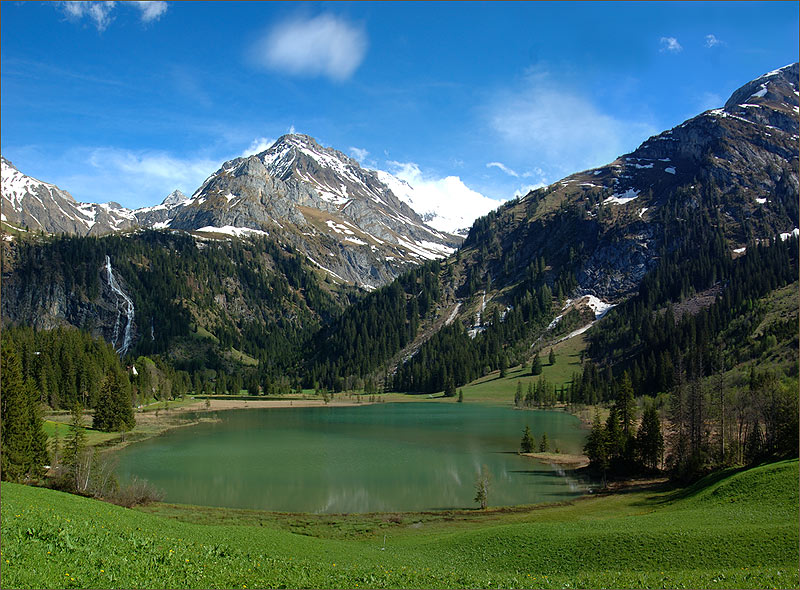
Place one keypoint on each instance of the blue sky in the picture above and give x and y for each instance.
(126, 101)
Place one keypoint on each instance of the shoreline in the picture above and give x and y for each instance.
(565, 459)
(152, 424)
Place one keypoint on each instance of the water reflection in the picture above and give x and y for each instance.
(388, 457)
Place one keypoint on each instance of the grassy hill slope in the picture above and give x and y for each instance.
(735, 529)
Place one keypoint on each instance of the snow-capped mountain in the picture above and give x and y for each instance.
(614, 222)
(343, 217)
(358, 225)
(35, 205)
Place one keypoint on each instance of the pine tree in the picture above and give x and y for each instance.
(482, 484)
(649, 440)
(518, 394)
(596, 447)
(449, 387)
(536, 365)
(114, 410)
(22, 439)
(625, 407)
(527, 443)
(75, 446)
(614, 439)
(552, 357)
(544, 444)
(461, 396)
(104, 415)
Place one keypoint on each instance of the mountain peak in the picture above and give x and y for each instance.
(779, 85)
(174, 198)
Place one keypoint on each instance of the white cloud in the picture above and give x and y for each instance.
(670, 44)
(150, 10)
(258, 145)
(99, 13)
(320, 46)
(447, 203)
(559, 130)
(132, 178)
(711, 41)
(359, 154)
(503, 167)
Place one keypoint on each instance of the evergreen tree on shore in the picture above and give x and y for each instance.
(24, 443)
(536, 365)
(649, 440)
(114, 410)
(527, 442)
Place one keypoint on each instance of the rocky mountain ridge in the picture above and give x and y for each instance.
(727, 175)
(345, 218)
(41, 206)
(746, 153)
(342, 216)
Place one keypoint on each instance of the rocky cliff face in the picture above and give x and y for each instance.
(31, 204)
(608, 226)
(342, 216)
(345, 218)
(47, 304)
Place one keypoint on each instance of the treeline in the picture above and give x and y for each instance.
(618, 445)
(714, 417)
(23, 442)
(372, 330)
(61, 368)
(647, 341)
(253, 295)
(451, 357)
(64, 366)
(540, 394)
(703, 424)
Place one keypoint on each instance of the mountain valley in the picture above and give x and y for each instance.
(726, 178)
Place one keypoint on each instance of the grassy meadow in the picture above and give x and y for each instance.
(735, 529)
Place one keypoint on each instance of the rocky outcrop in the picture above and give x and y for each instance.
(48, 304)
(609, 225)
(346, 218)
(323, 203)
(33, 205)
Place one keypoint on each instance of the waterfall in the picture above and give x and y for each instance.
(127, 304)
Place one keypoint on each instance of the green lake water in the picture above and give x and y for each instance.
(382, 457)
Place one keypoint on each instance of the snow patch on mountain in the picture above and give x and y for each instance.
(622, 198)
(231, 230)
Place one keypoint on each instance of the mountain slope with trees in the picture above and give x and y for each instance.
(612, 232)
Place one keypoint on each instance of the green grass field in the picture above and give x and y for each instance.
(496, 390)
(731, 530)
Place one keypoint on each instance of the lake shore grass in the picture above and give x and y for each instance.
(736, 529)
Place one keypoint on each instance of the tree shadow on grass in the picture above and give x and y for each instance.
(691, 490)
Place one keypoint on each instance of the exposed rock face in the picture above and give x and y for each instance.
(40, 206)
(744, 155)
(48, 304)
(341, 215)
(344, 217)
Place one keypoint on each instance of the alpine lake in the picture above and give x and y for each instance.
(372, 458)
